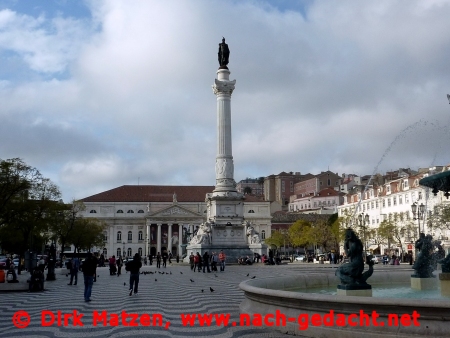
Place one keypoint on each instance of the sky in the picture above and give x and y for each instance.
(98, 94)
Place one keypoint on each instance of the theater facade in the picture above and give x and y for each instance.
(147, 219)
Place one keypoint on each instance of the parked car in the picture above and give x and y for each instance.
(300, 258)
(3, 263)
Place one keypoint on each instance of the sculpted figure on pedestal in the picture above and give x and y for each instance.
(252, 234)
(203, 234)
(224, 53)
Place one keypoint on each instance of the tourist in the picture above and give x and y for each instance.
(205, 262)
(222, 258)
(36, 281)
(119, 263)
(95, 259)
(191, 261)
(134, 267)
(164, 258)
(150, 259)
(74, 267)
(88, 272)
(214, 261)
(170, 258)
(112, 265)
(145, 260)
(41, 263)
(158, 260)
(198, 262)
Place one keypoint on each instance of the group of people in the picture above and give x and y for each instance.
(207, 262)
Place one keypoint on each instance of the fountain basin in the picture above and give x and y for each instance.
(266, 296)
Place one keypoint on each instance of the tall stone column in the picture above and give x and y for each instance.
(158, 239)
(169, 238)
(223, 88)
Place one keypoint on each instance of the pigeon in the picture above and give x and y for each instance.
(203, 290)
(181, 272)
(216, 275)
(211, 289)
(170, 272)
(98, 276)
(248, 274)
(191, 281)
(156, 280)
(124, 283)
(67, 275)
(253, 277)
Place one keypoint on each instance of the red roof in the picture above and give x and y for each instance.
(152, 193)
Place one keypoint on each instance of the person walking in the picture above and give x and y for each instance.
(164, 258)
(206, 262)
(88, 272)
(150, 259)
(214, 261)
(112, 265)
(74, 267)
(119, 263)
(158, 260)
(170, 258)
(94, 257)
(222, 258)
(191, 261)
(134, 267)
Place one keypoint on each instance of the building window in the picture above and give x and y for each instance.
(395, 200)
(376, 204)
(251, 211)
(93, 211)
(140, 252)
(384, 203)
(119, 236)
(129, 253)
(406, 198)
(282, 186)
(120, 211)
(130, 212)
(389, 202)
(105, 252)
(329, 182)
(400, 200)
(140, 236)
(105, 236)
(130, 236)
(141, 211)
(263, 234)
(292, 186)
(119, 252)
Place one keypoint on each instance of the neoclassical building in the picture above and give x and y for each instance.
(148, 219)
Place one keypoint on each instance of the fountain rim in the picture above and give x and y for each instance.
(256, 287)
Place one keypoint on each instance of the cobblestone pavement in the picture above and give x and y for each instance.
(169, 294)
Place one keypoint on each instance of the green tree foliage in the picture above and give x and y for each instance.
(277, 238)
(441, 217)
(86, 234)
(247, 190)
(27, 201)
(299, 233)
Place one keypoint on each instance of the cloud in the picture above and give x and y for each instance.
(126, 92)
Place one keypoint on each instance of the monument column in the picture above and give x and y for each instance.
(158, 239)
(223, 88)
(169, 238)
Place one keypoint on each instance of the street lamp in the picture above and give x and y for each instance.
(363, 220)
(419, 211)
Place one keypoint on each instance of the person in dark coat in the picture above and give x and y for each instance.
(158, 260)
(89, 267)
(206, 262)
(164, 258)
(134, 266)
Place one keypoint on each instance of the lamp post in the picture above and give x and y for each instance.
(363, 220)
(418, 212)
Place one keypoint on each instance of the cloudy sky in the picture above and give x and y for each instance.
(98, 94)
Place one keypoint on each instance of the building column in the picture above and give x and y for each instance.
(158, 239)
(180, 239)
(191, 226)
(169, 237)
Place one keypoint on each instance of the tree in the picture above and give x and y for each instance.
(86, 234)
(277, 238)
(27, 200)
(247, 190)
(261, 183)
(441, 217)
(299, 234)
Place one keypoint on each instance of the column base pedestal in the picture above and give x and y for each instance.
(359, 291)
(423, 283)
(444, 280)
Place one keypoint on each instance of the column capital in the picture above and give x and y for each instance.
(223, 87)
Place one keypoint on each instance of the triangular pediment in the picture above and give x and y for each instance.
(175, 211)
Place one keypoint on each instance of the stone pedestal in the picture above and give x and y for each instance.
(354, 290)
(423, 283)
(444, 280)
